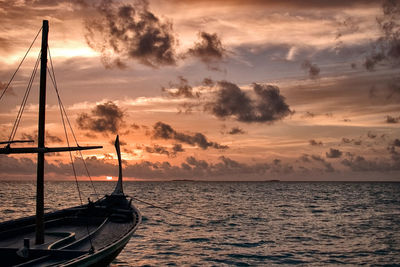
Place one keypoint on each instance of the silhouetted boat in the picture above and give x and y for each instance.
(88, 235)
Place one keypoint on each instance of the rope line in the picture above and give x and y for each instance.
(166, 210)
(61, 107)
(24, 100)
(62, 110)
(12, 77)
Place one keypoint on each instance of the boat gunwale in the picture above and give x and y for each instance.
(84, 259)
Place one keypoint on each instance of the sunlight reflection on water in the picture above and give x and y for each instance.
(244, 223)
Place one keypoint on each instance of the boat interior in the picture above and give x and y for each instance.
(69, 233)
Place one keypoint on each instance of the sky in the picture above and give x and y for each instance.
(208, 90)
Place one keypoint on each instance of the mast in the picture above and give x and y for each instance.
(41, 136)
(41, 149)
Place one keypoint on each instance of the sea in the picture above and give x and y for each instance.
(188, 223)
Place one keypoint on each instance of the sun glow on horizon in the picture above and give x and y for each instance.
(109, 178)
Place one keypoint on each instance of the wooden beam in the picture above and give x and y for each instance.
(27, 150)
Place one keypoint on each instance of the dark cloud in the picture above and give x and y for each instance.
(315, 143)
(373, 59)
(308, 159)
(394, 87)
(200, 164)
(371, 135)
(334, 153)
(387, 47)
(130, 31)
(121, 142)
(359, 163)
(347, 26)
(208, 82)
(34, 136)
(236, 130)
(197, 168)
(165, 131)
(53, 138)
(172, 152)
(104, 118)
(181, 89)
(309, 114)
(209, 49)
(134, 126)
(395, 155)
(327, 165)
(288, 3)
(312, 69)
(231, 101)
(305, 158)
(157, 149)
(396, 142)
(346, 140)
(263, 104)
(177, 148)
(26, 166)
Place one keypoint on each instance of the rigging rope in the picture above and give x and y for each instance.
(12, 77)
(24, 100)
(63, 111)
(164, 209)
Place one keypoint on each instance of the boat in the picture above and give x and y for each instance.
(91, 234)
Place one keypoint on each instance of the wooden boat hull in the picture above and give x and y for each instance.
(106, 225)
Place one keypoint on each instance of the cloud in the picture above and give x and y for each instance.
(287, 3)
(130, 31)
(346, 140)
(34, 136)
(359, 163)
(305, 158)
(181, 89)
(312, 69)
(387, 46)
(192, 167)
(309, 114)
(263, 104)
(327, 165)
(334, 153)
(373, 59)
(208, 82)
(165, 131)
(157, 149)
(104, 118)
(348, 26)
(134, 126)
(396, 142)
(209, 49)
(390, 119)
(371, 135)
(232, 102)
(315, 143)
(236, 130)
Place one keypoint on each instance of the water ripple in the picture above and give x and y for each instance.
(246, 223)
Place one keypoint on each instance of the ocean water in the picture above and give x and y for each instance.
(243, 223)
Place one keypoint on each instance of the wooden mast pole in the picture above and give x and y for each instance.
(41, 137)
